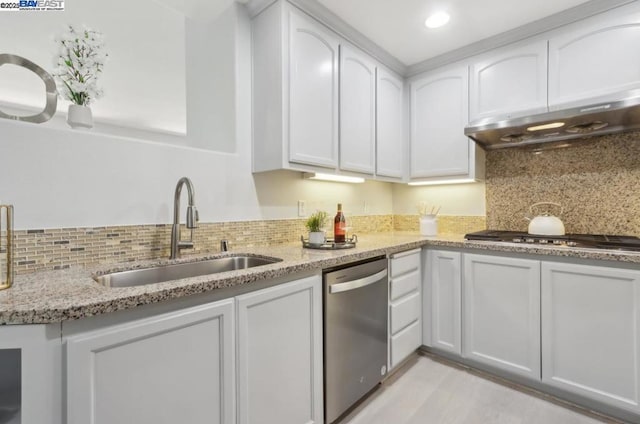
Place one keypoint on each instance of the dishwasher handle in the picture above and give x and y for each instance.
(356, 284)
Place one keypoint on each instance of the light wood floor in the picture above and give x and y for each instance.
(429, 392)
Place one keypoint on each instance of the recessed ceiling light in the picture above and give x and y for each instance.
(437, 20)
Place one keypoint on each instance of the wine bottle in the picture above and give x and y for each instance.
(339, 226)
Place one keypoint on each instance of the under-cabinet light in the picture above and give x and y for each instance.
(548, 126)
(442, 182)
(331, 177)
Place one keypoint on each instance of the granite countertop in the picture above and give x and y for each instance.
(55, 296)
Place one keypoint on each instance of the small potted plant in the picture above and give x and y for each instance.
(315, 224)
(79, 62)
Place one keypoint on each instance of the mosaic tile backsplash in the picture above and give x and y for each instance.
(597, 183)
(51, 249)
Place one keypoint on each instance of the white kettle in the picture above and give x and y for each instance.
(545, 224)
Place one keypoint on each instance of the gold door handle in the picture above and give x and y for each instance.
(6, 246)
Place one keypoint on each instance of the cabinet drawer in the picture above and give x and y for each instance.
(404, 285)
(403, 263)
(405, 343)
(405, 312)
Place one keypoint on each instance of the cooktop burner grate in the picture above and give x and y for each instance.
(594, 241)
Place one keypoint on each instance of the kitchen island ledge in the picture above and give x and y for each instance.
(55, 296)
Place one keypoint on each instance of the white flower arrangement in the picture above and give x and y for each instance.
(79, 63)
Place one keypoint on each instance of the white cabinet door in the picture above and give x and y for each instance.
(439, 113)
(444, 281)
(594, 59)
(390, 145)
(502, 313)
(357, 111)
(172, 368)
(590, 332)
(313, 92)
(280, 354)
(30, 380)
(509, 82)
(405, 306)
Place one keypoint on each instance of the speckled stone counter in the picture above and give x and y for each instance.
(55, 296)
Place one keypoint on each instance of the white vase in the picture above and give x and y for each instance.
(317, 237)
(428, 225)
(79, 117)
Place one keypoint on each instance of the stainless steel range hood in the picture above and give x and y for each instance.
(560, 128)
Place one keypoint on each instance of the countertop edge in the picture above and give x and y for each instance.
(92, 300)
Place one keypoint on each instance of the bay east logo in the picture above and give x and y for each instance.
(31, 5)
(41, 4)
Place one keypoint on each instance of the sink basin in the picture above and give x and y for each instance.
(140, 277)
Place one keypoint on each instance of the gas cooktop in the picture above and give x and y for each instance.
(593, 241)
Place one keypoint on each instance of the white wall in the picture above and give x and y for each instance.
(56, 177)
(211, 72)
(455, 199)
(279, 192)
(144, 78)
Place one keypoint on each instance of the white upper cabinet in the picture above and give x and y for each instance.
(313, 92)
(390, 146)
(315, 106)
(295, 91)
(595, 59)
(357, 111)
(509, 82)
(439, 113)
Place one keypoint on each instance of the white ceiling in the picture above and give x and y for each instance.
(204, 10)
(398, 26)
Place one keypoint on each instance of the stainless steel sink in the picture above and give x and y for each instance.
(140, 277)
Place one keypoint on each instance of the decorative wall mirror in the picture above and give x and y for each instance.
(51, 92)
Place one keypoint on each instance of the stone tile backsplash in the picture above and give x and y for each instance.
(447, 224)
(597, 183)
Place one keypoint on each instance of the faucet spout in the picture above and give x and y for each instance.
(192, 217)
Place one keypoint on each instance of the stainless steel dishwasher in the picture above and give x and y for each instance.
(355, 333)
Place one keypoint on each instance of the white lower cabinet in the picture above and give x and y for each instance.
(572, 329)
(502, 313)
(591, 332)
(30, 377)
(280, 354)
(181, 366)
(443, 301)
(172, 368)
(405, 312)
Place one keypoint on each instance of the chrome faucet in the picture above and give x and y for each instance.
(192, 218)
